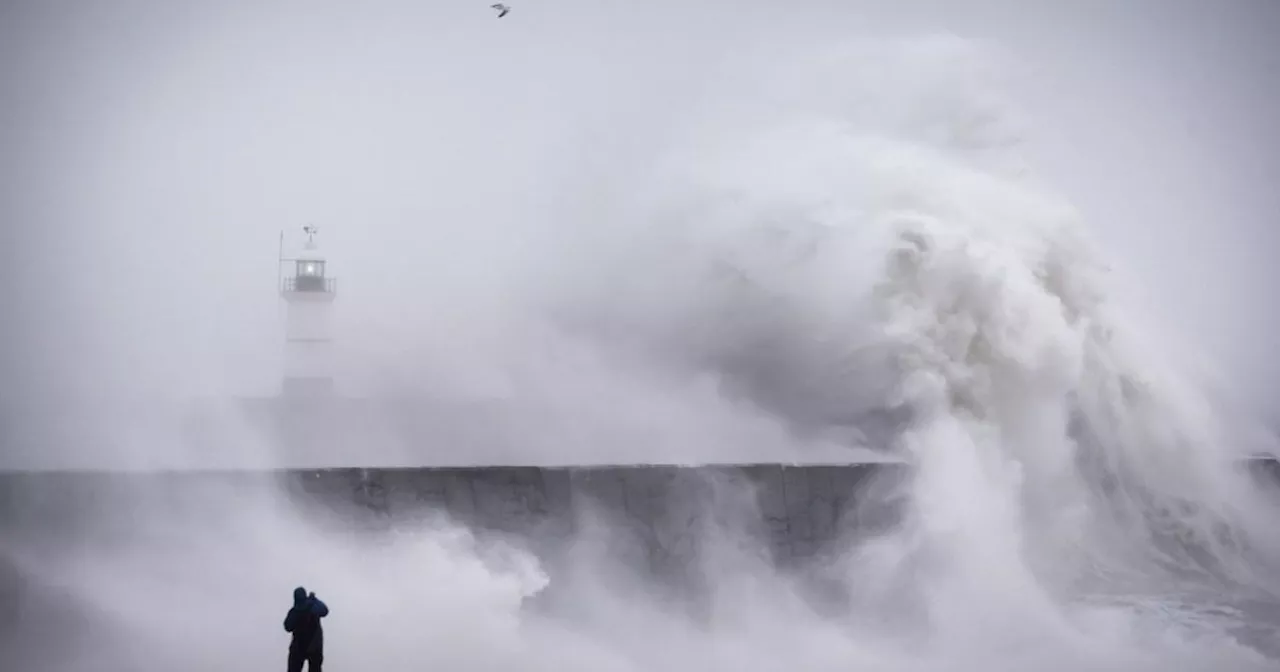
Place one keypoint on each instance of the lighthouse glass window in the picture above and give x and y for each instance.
(310, 275)
(310, 268)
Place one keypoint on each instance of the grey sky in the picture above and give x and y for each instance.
(151, 151)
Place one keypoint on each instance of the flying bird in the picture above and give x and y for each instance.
(502, 9)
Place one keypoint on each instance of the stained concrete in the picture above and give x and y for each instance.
(655, 518)
(795, 510)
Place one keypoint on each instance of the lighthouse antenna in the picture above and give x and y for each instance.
(280, 276)
(280, 261)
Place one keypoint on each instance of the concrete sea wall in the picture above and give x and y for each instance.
(663, 515)
(654, 519)
(795, 510)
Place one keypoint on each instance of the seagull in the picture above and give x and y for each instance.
(502, 9)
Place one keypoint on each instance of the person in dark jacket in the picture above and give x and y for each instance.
(303, 620)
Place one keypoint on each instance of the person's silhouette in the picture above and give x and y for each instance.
(303, 621)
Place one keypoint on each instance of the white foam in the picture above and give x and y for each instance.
(860, 232)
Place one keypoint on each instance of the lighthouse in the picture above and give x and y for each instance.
(308, 292)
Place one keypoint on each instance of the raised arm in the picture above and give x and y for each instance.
(319, 607)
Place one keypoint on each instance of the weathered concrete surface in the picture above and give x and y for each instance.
(657, 520)
(794, 509)
(665, 513)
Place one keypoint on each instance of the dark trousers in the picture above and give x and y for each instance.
(313, 659)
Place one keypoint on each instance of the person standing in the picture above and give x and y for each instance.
(303, 622)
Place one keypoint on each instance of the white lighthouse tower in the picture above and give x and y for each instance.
(308, 293)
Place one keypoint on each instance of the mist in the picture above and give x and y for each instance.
(1025, 249)
(454, 165)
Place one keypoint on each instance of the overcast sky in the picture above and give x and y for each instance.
(151, 151)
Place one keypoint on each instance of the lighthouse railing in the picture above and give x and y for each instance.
(290, 284)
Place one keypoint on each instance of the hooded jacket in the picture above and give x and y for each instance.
(303, 621)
